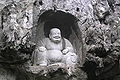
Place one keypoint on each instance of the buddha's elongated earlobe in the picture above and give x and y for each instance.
(50, 35)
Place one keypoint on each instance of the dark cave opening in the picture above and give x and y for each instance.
(58, 19)
(67, 23)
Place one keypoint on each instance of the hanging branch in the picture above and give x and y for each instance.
(12, 54)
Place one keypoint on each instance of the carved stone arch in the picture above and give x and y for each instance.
(67, 23)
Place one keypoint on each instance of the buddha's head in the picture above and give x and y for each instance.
(55, 35)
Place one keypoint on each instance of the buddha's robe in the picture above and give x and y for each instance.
(49, 52)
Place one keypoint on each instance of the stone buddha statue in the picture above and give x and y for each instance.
(55, 49)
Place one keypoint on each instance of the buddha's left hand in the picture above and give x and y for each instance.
(65, 51)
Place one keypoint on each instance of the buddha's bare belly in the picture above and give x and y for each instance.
(54, 55)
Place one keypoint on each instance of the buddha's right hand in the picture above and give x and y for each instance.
(42, 48)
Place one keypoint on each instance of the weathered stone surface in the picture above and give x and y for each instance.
(7, 74)
(96, 32)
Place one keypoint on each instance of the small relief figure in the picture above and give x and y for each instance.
(55, 50)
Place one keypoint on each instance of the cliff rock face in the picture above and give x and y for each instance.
(92, 26)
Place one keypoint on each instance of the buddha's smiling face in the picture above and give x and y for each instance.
(55, 35)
